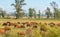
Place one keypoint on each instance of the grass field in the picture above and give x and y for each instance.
(28, 20)
(53, 31)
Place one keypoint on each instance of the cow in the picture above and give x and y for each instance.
(21, 33)
(7, 24)
(58, 24)
(2, 30)
(51, 24)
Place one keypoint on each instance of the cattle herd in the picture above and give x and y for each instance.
(32, 29)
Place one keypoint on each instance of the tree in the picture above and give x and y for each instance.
(30, 12)
(34, 12)
(22, 14)
(2, 12)
(56, 10)
(39, 14)
(48, 12)
(18, 6)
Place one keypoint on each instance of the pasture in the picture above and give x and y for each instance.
(29, 28)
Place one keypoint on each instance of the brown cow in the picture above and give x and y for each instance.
(43, 28)
(51, 24)
(2, 30)
(7, 24)
(4, 24)
(58, 24)
(21, 33)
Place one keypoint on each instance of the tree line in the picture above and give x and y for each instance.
(20, 13)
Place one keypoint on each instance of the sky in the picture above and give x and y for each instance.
(37, 4)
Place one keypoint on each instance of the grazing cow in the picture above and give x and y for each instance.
(40, 23)
(21, 33)
(9, 23)
(22, 26)
(58, 24)
(43, 28)
(43, 31)
(28, 25)
(45, 23)
(14, 25)
(24, 23)
(19, 26)
(34, 26)
(4, 24)
(18, 22)
(2, 30)
(33, 23)
(51, 24)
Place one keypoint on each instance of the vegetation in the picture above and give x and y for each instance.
(39, 14)
(2, 12)
(56, 10)
(33, 28)
(32, 24)
(32, 13)
(48, 12)
(18, 6)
